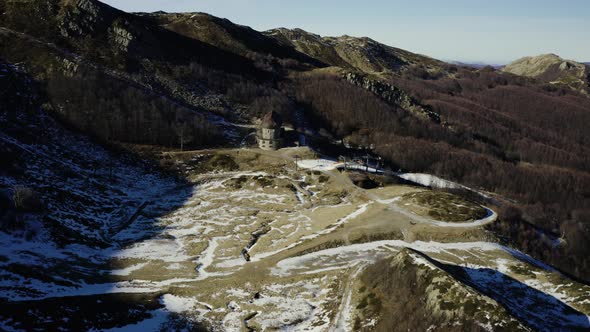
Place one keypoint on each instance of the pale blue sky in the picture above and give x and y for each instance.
(465, 30)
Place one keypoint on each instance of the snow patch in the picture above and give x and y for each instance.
(127, 271)
(178, 304)
(318, 164)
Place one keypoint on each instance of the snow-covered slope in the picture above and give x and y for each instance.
(88, 194)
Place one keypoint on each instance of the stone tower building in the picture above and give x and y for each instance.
(270, 133)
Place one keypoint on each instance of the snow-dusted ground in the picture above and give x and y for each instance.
(345, 256)
(430, 181)
(318, 164)
(113, 225)
(344, 317)
(186, 242)
(540, 304)
(90, 195)
(427, 180)
(323, 164)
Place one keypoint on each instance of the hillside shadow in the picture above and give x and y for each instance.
(97, 202)
(536, 309)
(93, 301)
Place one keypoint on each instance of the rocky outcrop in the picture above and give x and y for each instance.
(69, 67)
(393, 96)
(121, 37)
(368, 55)
(309, 43)
(81, 19)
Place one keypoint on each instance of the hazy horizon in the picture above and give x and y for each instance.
(456, 30)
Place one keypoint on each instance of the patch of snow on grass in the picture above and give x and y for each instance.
(283, 313)
(345, 256)
(237, 292)
(388, 201)
(166, 250)
(318, 164)
(429, 180)
(228, 263)
(206, 258)
(362, 209)
(178, 304)
(174, 266)
(127, 271)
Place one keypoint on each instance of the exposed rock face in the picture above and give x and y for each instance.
(367, 54)
(310, 44)
(121, 37)
(69, 68)
(392, 95)
(83, 49)
(550, 68)
(81, 19)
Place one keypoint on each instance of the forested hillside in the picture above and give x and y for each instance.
(497, 133)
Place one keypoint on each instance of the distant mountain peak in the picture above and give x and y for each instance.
(534, 66)
(553, 69)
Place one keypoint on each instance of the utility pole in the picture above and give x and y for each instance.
(182, 138)
(343, 160)
(296, 163)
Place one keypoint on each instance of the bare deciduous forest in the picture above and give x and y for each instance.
(528, 143)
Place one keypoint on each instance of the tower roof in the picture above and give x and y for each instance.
(271, 120)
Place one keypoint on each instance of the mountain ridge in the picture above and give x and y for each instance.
(361, 53)
(223, 33)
